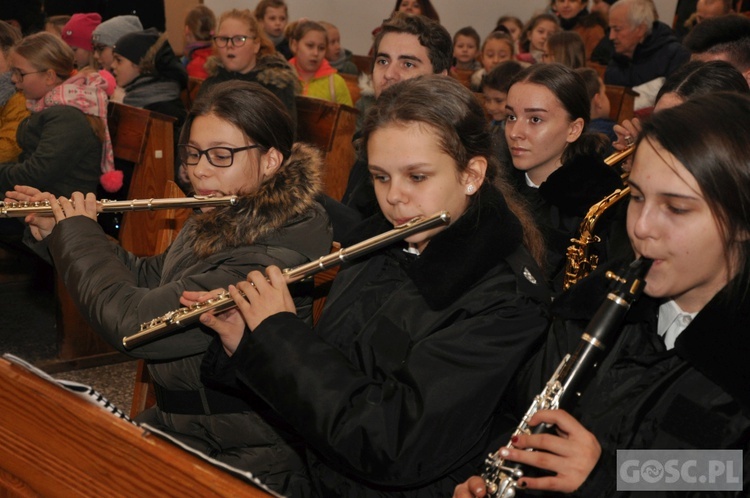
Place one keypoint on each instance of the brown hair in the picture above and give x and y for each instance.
(201, 22)
(9, 36)
(46, 51)
(567, 49)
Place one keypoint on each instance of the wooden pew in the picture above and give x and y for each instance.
(621, 101)
(330, 126)
(363, 63)
(143, 138)
(352, 83)
(57, 444)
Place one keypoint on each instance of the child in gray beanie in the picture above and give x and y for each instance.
(106, 35)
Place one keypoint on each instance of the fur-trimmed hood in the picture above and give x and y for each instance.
(281, 199)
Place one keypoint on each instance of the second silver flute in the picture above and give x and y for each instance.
(21, 209)
(182, 317)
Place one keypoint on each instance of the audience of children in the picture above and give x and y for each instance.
(496, 48)
(466, 50)
(106, 35)
(535, 35)
(77, 34)
(200, 23)
(273, 16)
(337, 56)
(566, 48)
(12, 102)
(308, 41)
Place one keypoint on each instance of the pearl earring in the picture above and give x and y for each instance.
(470, 189)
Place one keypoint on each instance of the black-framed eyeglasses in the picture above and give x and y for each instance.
(221, 157)
(237, 40)
(20, 74)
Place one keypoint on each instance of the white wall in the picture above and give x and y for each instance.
(357, 18)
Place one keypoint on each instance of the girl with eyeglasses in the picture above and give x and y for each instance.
(65, 143)
(245, 53)
(237, 140)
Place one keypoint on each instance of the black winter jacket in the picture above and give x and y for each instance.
(279, 224)
(396, 390)
(660, 54)
(694, 396)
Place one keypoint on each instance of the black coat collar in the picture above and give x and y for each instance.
(463, 253)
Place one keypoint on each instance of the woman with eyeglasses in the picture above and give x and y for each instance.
(245, 53)
(237, 140)
(64, 143)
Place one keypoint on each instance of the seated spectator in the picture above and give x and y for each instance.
(496, 48)
(12, 102)
(152, 77)
(514, 26)
(535, 35)
(103, 41)
(65, 142)
(405, 47)
(645, 49)
(200, 23)
(724, 38)
(337, 56)
(243, 52)
(54, 24)
(600, 105)
(566, 48)
(273, 16)
(466, 49)
(495, 87)
(106, 35)
(77, 33)
(574, 16)
(309, 41)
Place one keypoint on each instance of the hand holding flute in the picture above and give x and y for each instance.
(41, 226)
(256, 299)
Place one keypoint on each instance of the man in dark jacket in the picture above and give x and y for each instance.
(645, 49)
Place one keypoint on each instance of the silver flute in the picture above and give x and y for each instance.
(182, 317)
(44, 208)
(573, 373)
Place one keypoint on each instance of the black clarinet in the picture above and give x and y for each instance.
(572, 375)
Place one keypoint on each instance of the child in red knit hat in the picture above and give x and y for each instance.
(77, 34)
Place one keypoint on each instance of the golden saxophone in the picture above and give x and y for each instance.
(573, 373)
(21, 209)
(581, 259)
(182, 317)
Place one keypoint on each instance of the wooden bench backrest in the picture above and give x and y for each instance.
(57, 444)
(153, 168)
(363, 63)
(621, 102)
(329, 126)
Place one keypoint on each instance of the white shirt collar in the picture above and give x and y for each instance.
(672, 321)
